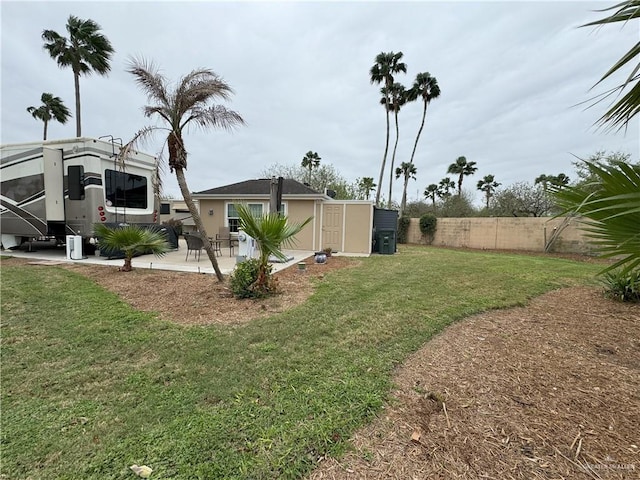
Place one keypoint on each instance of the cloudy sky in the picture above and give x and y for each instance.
(511, 73)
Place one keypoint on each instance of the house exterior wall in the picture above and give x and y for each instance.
(358, 221)
(298, 211)
(506, 233)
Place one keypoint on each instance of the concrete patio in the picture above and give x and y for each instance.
(173, 260)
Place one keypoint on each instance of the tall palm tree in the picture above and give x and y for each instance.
(365, 186)
(426, 87)
(85, 50)
(397, 96)
(386, 66)
(444, 187)
(488, 185)
(52, 108)
(311, 160)
(187, 103)
(407, 171)
(627, 107)
(462, 168)
(560, 180)
(430, 192)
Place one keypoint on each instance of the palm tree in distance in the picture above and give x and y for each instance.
(386, 66)
(187, 103)
(311, 160)
(444, 188)
(85, 50)
(559, 180)
(488, 185)
(365, 186)
(396, 95)
(426, 87)
(462, 168)
(52, 108)
(407, 171)
(430, 192)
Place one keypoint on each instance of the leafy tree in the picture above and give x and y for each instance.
(457, 206)
(187, 103)
(425, 87)
(417, 208)
(311, 160)
(382, 72)
(52, 108)
(85, 51)
(488, 185)
(431, 192)
(444, 188)
(397, 96)
(627, 107)
(271, 231)
(326, 177)
(462, 168)
(132, 240)
(407, 171)
(521, 199)
(612, 211)
(365, 186)
(586, 178)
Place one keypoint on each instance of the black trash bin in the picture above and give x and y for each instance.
(386, 242)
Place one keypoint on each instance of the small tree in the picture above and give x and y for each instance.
(132, 240)
(52, 108)
(428, 225)
(488, 185)
(271, 231)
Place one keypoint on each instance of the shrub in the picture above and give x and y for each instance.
(622, 286)
(244, 280)
(403, 229)
(428, 224)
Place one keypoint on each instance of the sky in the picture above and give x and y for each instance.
(514, 77)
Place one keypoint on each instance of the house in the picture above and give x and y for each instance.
(343, 225)
(177, 210)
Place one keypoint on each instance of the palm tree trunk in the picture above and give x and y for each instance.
(182, 182)
(127, 267)
(403, 204)
(45, 130)
(393, 160)
(384, 159)
(76, 83)
(415, 145)
(460, 184)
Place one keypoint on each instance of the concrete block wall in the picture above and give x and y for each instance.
(506, 233)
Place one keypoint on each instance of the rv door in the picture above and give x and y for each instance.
(53, 185)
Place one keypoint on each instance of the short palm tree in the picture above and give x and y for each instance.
(397, 96)
(365, 186)
(407, 171)
(386, 66)
(85, 51)
(132, 240)
(271, 232)
(462, 168)
(187, 103)
(612, 211)
(558, 180)
(444, 187)
(52, 108)
(627, 107)
(431, 192)
(310, 161)
(488, 185)
(425, 87)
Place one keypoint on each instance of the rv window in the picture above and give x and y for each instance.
(75, 179)
(165, 209)
(125, 189)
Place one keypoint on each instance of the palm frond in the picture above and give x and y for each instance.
(216, 116)
(148, 77)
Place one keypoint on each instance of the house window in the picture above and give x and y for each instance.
(165, 209)
(233, 220)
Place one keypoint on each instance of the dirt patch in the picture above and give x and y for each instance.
(550, 391)
(199, 299)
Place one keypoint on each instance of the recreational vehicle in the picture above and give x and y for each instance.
(55, 188)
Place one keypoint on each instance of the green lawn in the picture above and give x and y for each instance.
(91, 386)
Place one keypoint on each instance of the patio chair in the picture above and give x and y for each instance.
(224, 236)
(194, 244)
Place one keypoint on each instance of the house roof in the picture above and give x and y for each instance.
(260, 186)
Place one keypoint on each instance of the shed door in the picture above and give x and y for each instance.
(332, 227)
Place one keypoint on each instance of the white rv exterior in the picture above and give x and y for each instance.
(56, 188)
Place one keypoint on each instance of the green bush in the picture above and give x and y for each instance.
(622, 286)
(244, 280)
(403, 229)
(428, 224)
